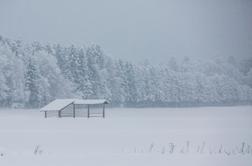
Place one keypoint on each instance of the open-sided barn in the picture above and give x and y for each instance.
(75, 108)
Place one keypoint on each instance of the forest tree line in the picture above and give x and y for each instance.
(31, 75)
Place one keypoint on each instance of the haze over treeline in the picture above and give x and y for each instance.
(32, 75)
(135, 29)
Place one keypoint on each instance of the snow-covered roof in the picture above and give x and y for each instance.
(90, 101)
(59, 104)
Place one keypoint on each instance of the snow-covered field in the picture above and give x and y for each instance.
(129, 137)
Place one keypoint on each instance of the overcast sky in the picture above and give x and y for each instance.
(135, 29)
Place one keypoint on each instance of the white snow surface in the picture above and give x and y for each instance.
(208, 136)
(59, 104)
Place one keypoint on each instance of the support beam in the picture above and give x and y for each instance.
(45, 114)
(59, 114)
(103, 111)
(73, 110)
(88, 113)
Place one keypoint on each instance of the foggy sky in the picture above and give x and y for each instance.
(135, 29)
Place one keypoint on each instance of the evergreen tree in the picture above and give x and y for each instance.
(32, 78)
(83, 80)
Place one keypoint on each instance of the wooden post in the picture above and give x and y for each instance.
(45, 114)
(73, 110)
(88, 113)
(103, 111)
(59, 114)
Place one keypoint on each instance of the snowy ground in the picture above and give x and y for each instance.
(128, 137)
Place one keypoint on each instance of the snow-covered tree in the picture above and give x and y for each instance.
(34, 74)
(32, 82)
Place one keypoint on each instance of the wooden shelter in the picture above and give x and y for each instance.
(75, 107)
